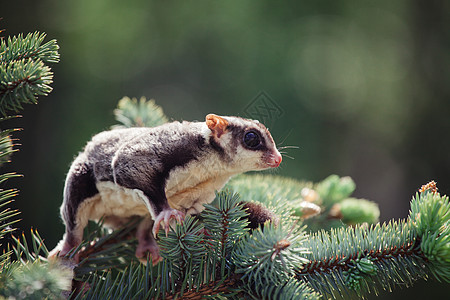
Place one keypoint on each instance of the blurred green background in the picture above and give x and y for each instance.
(363, 87)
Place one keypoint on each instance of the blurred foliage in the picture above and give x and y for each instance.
(334, 189)
(356, 211)
(134, 113)
(324, 205)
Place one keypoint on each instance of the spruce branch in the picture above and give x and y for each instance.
(224, 223)
(30, 46)
(21, 82)
(266, 259)
(8, 216)
(185, 252)
(7, 144)
(219, 289)
(430, 217)
(337, 259)
(24, 74)
(360, 260)
(133, 283)
(105, 249)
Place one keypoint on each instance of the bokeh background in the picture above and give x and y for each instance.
(363, 88)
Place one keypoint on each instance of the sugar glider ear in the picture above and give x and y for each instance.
(216, 124)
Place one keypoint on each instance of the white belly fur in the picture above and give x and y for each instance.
(193, 185)
(114, 200)
(188, 188)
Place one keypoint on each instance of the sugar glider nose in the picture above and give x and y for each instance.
(276, 161)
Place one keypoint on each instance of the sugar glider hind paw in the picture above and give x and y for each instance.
(61, 251)
(165, 216)
(151, 249)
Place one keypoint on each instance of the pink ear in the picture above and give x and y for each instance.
(218, 125)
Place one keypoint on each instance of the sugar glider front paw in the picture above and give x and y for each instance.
(165, 216)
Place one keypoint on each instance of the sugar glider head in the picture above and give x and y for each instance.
(245, 144)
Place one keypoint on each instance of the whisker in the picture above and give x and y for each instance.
(285, 155)
(288, 147)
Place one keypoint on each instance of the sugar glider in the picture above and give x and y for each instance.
(161, 173)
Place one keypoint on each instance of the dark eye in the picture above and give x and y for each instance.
(251, 139)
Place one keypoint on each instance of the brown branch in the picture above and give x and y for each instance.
(223, 239)
(27, 54)
(91, 249)
(11, 86)
(128, 233)
(24, 54)
(211, 288)
(330, 264)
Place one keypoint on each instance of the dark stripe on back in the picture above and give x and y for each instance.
(175, 149)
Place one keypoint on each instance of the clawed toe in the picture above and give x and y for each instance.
(165, 216)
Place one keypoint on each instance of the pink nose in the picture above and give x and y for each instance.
(277, 161)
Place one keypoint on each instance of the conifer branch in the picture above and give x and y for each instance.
(20, 48)
(21, 82)
(267, 257)
(24, 74)
(351, 260)
(213, 288)
(104, 248)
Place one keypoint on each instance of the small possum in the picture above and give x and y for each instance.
(160, 173)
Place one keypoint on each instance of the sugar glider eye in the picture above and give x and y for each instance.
(252, 139)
